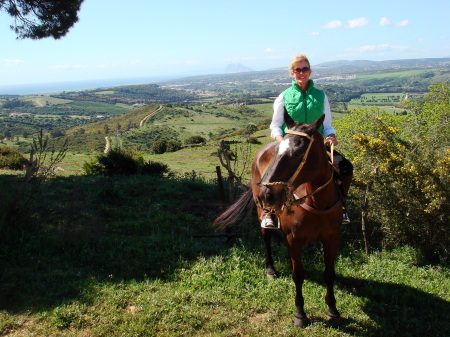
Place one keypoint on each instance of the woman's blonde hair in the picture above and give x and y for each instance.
(298, 58)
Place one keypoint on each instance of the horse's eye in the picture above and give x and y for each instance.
(297, 153)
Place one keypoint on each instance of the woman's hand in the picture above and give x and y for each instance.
(331, 138)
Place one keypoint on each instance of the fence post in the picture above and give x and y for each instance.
(220, 181)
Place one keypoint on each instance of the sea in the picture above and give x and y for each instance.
(56, 87)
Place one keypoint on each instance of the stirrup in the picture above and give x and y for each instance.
(268, 223)
(345, 219)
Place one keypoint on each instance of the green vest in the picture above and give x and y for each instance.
(304, 108)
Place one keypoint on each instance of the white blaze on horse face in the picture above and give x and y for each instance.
(284, 146)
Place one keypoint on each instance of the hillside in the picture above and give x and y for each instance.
(357, 76)
(210, 105)
(365, 65)
(139, 128)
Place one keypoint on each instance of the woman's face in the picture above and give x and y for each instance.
(301, 74)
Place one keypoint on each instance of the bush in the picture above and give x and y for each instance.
(119, 162)
(173, 145)
(159, 146)
(154, 168)
(195, 140)
(11, 159)
(253, 140)
(402, 166)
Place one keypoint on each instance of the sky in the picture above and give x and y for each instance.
(151, 39)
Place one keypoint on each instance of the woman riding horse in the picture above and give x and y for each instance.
(295, 179)
(305, 103)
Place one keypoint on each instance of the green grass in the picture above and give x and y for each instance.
(125, 256)
(394, 74)
(41, 101)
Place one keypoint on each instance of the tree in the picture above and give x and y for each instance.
(40, 19)
(159, 146)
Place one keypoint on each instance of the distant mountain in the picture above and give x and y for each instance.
(365, 65)
(236, 68)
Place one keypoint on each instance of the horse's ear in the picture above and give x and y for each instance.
(288, 119)
(314, 126)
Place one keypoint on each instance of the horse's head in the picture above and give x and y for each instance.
(293, 163)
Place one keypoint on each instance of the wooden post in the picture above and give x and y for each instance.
(364, 210)
(220, 182)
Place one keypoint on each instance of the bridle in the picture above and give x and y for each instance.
(289, 188)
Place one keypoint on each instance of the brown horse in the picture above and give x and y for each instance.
(294, 180)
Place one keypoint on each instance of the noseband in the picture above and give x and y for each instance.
(289, 188)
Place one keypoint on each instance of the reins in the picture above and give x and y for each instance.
(291, 198)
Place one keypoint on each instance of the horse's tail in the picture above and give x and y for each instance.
(237, 212)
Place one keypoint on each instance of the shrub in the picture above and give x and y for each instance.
(159, 146)
(402, 166)
(154, 168)
(173, 145)
(11, 159)
(253, 140)
(195, 140)
(119, 162)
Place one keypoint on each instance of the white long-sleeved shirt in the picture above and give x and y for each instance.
(276, 126)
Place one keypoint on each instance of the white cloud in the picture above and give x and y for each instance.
(269, 50)
(355, 23)
(358, 23)
(403, 23)
(315, 34)
(375, 49)
(385, 22)
(9, 62)
(333, 24)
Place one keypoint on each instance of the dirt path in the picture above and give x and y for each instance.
(107, 145)
(150, 115)
(141, 123)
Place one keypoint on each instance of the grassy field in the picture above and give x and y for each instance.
(134, 256)
(89, 256)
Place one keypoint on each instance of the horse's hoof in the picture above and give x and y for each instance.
(271, 276)
(301, 322)
(334, 321)
(271, 273)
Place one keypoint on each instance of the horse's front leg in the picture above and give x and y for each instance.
(298, 274)
(271, 272)
(330, 254)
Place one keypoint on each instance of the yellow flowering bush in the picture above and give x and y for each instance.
(406, 162)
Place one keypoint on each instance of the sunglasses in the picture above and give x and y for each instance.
(302, 70)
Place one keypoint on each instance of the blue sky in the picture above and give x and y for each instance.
(141, 38)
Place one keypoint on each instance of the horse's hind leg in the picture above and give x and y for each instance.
(330, 254)
(270, 268)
